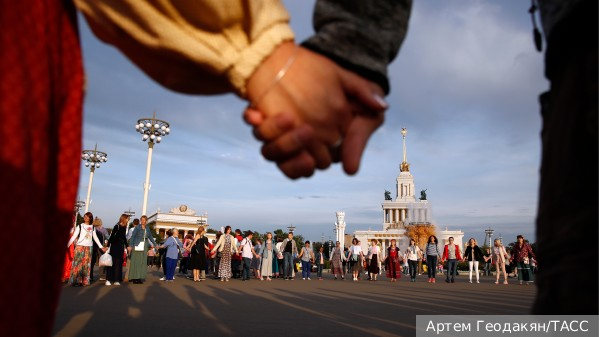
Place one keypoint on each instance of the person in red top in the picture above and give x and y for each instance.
(451, 254)
(522, 253)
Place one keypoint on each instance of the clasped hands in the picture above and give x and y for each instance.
(316, 114)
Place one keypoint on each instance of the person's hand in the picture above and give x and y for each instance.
(129, 250)
(303, 118)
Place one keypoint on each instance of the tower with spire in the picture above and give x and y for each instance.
(404, 213)
(405, 181)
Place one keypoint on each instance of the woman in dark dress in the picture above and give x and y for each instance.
(118, 243)
(197, 259)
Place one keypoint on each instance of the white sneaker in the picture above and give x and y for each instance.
(477, 281)
(162, 278)
(107, 283)
(303, 278)
(308, 279)
(117, 284)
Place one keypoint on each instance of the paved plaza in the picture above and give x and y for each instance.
(271, 308)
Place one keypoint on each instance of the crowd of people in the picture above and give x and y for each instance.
(134, 251)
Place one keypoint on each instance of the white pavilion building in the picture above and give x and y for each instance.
(404, 210)
(185, 219)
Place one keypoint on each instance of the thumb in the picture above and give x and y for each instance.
(356, 138)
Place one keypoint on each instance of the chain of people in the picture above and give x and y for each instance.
(128, 252)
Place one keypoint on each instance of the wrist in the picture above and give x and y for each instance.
(270, 72)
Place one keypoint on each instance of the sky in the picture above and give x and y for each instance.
(465, 85)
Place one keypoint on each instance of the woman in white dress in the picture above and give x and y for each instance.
(499, 257)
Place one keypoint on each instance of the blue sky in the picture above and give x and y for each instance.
(465, 85)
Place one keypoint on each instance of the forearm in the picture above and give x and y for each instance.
(197, 47)
(362, 36)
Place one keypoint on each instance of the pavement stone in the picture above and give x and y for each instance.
(307, 308)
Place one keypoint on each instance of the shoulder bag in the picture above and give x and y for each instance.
(140, 246)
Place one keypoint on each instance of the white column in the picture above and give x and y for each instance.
(147, 183)
(89, 187)
(403, 214)
(397, 219)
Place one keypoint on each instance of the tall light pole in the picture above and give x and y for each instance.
(93, 159)
(291, 228)
(489, 234)
(78, 204)
(152, 131)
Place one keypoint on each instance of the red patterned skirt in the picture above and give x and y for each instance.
(81, 266)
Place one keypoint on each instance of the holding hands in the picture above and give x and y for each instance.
(313, 113)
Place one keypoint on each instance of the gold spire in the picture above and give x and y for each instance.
(404, 167)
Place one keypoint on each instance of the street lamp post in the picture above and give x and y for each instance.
(489, 234)
(78, 205)
(291, 228)
(93, 159)
(130, 214)
(152, 131)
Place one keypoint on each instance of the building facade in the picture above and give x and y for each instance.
(404, 210)
(182, 218)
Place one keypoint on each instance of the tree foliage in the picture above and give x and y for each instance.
(420, 233)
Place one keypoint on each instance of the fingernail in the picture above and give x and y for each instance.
(381, 101)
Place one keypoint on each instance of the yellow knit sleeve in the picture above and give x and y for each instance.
(195, 47)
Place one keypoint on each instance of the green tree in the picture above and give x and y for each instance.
(279, 234)
(317, 245)
(299, 241)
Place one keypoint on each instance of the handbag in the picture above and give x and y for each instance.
(140, 246)
(106, 259)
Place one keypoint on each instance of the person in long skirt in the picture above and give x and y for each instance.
(226, 245)
(521, 254)
(118, 244)
(141, 240)
(373, 267)
(338, 261)
(85, 236)
(393, 261)
(197, 250)
(356, 258)
(500, 257)
(268, 257)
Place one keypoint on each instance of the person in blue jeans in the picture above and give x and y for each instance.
(172, 245)
(289, 250)
(247, 253)
(451, 254)
(306, 256)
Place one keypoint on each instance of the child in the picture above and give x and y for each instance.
(306, 257)
(320, 262)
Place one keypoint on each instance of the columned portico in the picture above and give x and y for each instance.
(182, 218)
(403, 211)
